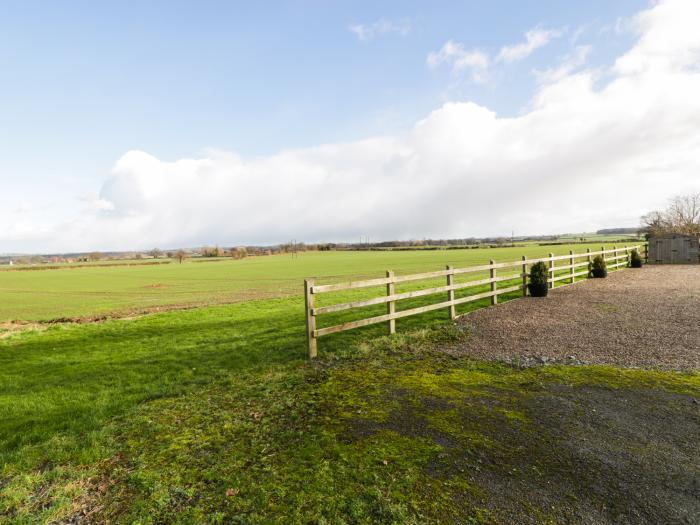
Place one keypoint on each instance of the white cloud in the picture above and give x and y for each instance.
(367, 32)
(477, 62)
(534, 39)
(569, 64)
(460, 59)
(669, 39)
(584, 156)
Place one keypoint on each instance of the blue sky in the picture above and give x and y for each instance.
(83, 83)
(254, 77)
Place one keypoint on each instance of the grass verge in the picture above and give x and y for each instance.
(194, 418)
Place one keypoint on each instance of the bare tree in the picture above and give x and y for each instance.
(681, 216)
(180, 255)
(212, 251)
(239, 253)
(156, 253)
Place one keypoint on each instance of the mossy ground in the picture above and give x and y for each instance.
(397, 432)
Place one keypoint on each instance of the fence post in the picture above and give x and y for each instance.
(310, 317)
(551, 269)
(615, 257)
(391, 305)
(646, 252)
(494, 297)
(524, 276)
(590, 260)
(571, 263)
(602, 249)
(451, 293)
(627, 256)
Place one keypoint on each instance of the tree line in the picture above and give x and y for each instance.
(681, 216)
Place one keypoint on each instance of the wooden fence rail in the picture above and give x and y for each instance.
(615, 258)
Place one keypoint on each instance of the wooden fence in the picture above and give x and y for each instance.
(615, 258)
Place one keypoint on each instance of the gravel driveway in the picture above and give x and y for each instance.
(647, 318)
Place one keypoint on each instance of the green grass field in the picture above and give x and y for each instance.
(213, 414)
(93, 291)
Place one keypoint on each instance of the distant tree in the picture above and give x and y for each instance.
(239, 253)
(212, 251)
(155, 253)
(681, 216)
(95, 256)
(180, 255)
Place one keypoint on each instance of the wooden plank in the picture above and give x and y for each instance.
(348, 285)
(562, 278)
(567, 276)
(494, 285)
(567, 267)
(451, 311)
(390, 305)
(524, 271)
(407, 295)
(509, 277)
(406, 313)
(310, 318)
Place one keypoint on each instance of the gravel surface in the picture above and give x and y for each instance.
(646, 318)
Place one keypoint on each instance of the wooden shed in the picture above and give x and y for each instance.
(674, 249)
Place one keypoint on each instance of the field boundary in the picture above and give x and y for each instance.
(616, 258)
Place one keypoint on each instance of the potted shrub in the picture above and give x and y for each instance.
(539, 274)
(598, 267)
(635, 259)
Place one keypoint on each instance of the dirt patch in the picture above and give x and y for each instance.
(9, 328)
(648, 318)
(79, 266)
(156, 285)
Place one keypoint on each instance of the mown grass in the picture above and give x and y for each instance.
(93, 291)
(213, 415)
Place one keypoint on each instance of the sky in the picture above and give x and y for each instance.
(134, 125)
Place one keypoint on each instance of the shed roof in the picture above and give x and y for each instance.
(674, 236)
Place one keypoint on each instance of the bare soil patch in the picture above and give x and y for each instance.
(644, 318)
(8, 328)
(35, 268)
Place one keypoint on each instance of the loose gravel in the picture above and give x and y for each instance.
(643, 318)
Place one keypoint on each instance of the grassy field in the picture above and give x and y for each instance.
(89, 291)
(213, 415)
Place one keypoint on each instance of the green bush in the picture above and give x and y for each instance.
(635, 259)
(539, 273)
(598, 268)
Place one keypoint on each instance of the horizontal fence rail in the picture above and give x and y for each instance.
(614, 258)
